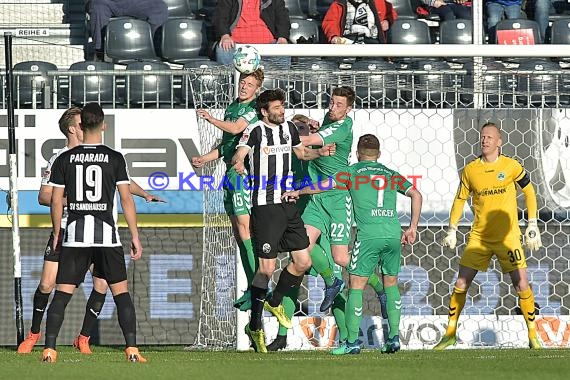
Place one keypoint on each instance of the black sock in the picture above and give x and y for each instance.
(284, 285)
(92, 310)
(127, 318)
(257, 301)
(40, 303)
(55, 315)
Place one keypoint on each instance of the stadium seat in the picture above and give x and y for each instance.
(536, 89)
(430, 89)
(409, 31)
(93, 88)
(404, 9)
(323, 6)
(204, 86)
(311, 82)
(517, 32)
(456, 31)
(560, 32)
(33, 89)
(294, 7)
(304, 31)
(183, 39)
(374, 89)
(129, 39)
(178, 8)
(309, 7)
(149, 88)
(497, 87)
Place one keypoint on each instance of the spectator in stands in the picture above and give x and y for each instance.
(155, 12)
(249, 21)
(495, 10)
(542, 15)
(358, 21)
(449, 9)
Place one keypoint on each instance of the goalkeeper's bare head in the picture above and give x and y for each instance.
(249, 85)
(491, 141)
(368, 148)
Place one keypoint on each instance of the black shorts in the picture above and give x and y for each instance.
(49, 253)
(108, 264)
(277, 228)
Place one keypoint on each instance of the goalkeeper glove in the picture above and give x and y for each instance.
(450, 240)
(532, 235)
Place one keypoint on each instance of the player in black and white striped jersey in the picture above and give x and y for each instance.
(88, 177)
(276, 227)
(70, 126)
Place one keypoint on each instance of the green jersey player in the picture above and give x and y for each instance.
(330, 213)
(237, 117)
(374, 188)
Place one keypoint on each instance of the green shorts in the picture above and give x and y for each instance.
(332, 215)
(386, 254)
(237, 199)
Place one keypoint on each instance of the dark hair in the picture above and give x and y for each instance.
(346, 92)
(257, 74)
(368, 145)
(302, 124)
(66, 120)
(91, 117)
(267, 97)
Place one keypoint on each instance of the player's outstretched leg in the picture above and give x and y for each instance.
(353, 319)
(128, 323)
(393, 311)
(40, 304)
(55, 315)
(526, 303)
(92, 309)
(287, 280)
(376, 283)
(254, 329)
(338, 310)
(289, 301)
(333, 284)
(456, 304)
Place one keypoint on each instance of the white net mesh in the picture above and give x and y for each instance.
(421, 113)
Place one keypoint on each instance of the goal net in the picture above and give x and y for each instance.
(427, 114)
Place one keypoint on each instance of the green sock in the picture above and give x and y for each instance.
(376, 283)
(248, 259)
(322, 265)
(288, 303)
(338, 311)
(353, 313)
(394, 303)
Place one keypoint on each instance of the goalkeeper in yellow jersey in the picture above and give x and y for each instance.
(491, 180)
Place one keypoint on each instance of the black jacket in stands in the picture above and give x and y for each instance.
(90, 175)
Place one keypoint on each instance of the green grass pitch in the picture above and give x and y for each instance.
(176, 363)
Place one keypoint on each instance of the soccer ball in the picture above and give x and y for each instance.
(246, 59)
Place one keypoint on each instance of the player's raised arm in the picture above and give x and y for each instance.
(129, 210)
(233, 127)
